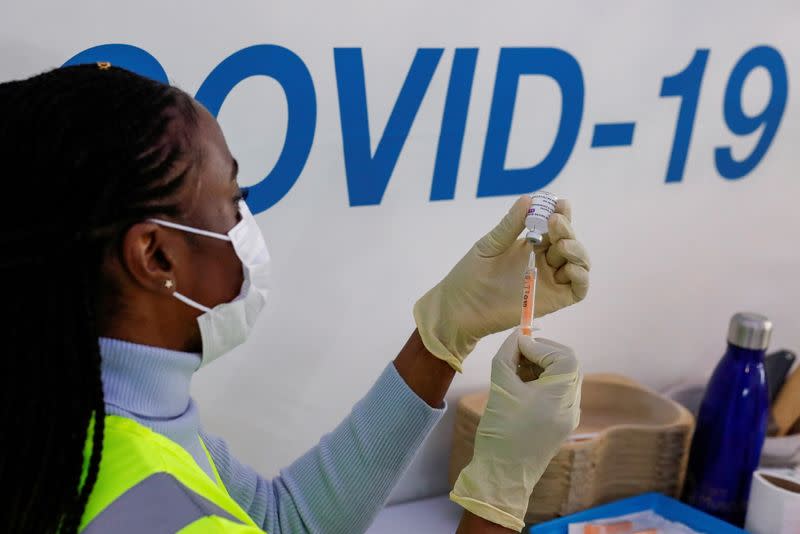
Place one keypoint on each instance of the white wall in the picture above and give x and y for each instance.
(671, 262)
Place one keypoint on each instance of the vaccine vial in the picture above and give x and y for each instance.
(543, 204)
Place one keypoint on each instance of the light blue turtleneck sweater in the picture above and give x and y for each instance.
(337, 486)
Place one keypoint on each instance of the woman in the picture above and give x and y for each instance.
(130, 259)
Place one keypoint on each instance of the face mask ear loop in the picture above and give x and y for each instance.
(183, 298)
(190, 229)
(190, 302)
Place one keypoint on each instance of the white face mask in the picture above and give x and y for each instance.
(227, 325)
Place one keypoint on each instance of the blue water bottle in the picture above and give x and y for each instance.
(732, 423)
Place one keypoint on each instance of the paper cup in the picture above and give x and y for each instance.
(774, 506)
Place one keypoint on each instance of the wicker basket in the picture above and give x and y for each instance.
(638, 442)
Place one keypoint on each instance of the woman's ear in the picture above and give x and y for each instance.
(149, 254)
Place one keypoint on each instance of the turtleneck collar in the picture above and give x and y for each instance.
(147, 381)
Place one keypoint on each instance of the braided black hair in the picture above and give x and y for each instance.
(85, 152)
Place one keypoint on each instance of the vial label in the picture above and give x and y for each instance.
(543, 205)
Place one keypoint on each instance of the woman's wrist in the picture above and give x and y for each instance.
(426, 375)
(474, 524)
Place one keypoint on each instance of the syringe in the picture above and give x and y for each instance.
(527, 370)
(528, 296)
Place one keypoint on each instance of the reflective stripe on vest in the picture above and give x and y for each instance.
(148, 483)
(158, 504)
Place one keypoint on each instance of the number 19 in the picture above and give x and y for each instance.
(686, 84)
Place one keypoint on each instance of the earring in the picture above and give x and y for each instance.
(168, 284)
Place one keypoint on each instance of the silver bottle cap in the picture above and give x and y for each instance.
(750, 331)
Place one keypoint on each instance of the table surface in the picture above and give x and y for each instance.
(437, 515)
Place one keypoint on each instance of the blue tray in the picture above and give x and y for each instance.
(662, 505)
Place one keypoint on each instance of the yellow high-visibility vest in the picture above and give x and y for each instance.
(148, 483)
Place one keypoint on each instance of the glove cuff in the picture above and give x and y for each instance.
(488, 512)
(439, 337)
(498, 493)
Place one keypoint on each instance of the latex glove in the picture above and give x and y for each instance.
(482, 294)
(521, 430)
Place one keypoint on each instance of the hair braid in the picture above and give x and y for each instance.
(84, 154)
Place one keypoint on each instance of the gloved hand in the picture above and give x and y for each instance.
(521, 430)
(482, 294)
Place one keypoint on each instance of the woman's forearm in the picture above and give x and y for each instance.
(344, 481)
(426, 375)
(473, 524)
